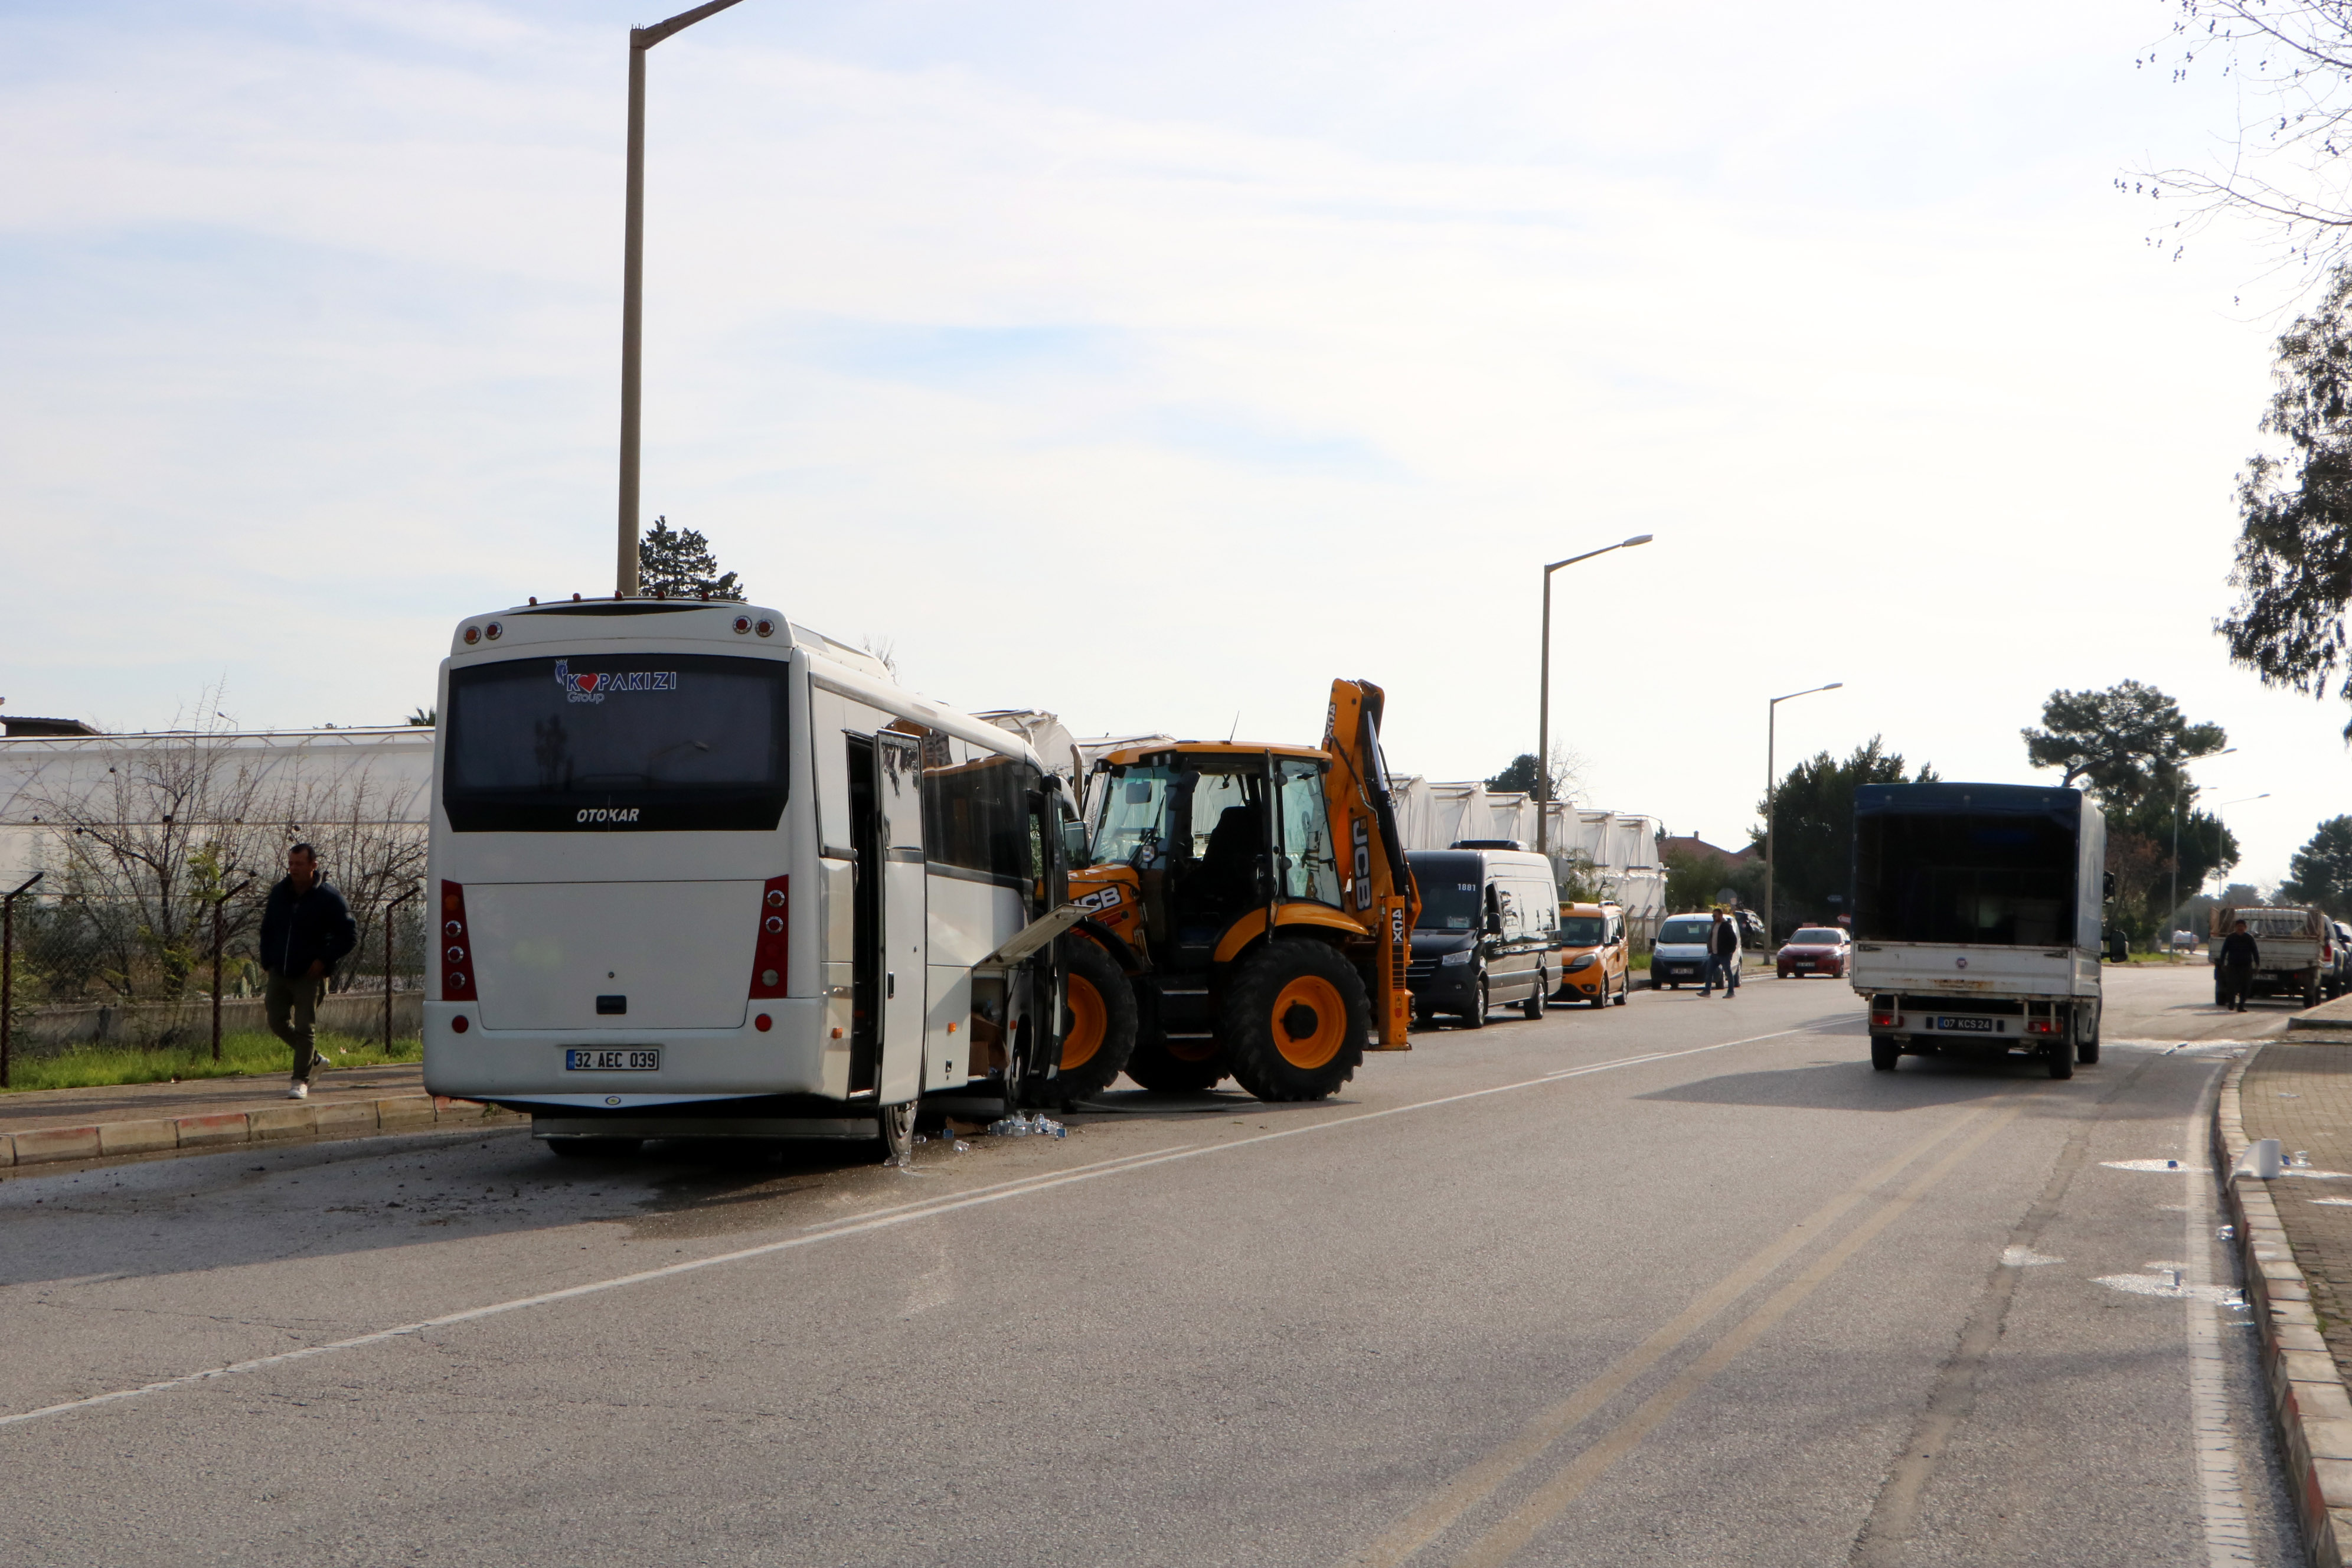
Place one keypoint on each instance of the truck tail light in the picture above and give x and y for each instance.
(1885, 1020)
(2041, 1027)
(456, 946)
(768, 972)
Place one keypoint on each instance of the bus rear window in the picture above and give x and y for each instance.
(616, 743)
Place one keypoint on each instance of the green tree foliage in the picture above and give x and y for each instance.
(1814, 808)
(1697, 880)
(2321, 871)
(2146, 830)
(423, 718)
(2123, 745)
(677, 563)
(2293, 572)
(1520, 775)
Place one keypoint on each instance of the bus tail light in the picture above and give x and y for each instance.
(456, 946)
(768, 973)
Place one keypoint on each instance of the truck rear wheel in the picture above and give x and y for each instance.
(2061, 1053)
(1884, 1053)
(2310, 991)
(2086, 1049)
(1297, 1020)
(1099, 1032)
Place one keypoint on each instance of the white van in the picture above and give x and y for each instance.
(701, 872)
(1680, 952)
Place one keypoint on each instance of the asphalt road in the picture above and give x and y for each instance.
(1682, 1281)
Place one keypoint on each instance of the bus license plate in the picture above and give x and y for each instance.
(577, 1059)
(1976, 1026)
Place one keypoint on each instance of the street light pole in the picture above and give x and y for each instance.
(1771, 788)
(632, 280)
(1543, 701)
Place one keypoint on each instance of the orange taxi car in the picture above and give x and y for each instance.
(1591, 950)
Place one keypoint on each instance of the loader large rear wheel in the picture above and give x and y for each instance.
(1296, 1020)
(1098, 1033)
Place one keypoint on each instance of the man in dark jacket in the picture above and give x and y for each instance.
(1722, 956)
(306, 928)
(2237, 960)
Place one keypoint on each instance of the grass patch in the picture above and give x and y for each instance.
(248, 1051)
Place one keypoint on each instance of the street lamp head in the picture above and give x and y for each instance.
(1833, 685)
(1637, 539)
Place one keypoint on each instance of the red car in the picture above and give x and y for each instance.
(1815, 949)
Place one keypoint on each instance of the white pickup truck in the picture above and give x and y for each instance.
(1976, 920)
(2297, 948)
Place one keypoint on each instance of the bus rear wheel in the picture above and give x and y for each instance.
(1098, 1022)
(1297, 1020)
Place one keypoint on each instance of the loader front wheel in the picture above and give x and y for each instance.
(1098, 1033)
(1296, 1020)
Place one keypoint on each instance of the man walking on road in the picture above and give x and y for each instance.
(1722, 957)
(306, 928)
(2237, 960)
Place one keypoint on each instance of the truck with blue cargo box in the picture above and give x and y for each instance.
(1976, 917)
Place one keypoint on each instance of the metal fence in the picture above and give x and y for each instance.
(77, 969)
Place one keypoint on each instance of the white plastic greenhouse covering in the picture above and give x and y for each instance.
(1621, 847)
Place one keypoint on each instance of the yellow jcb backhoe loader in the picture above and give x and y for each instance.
(1249, 912)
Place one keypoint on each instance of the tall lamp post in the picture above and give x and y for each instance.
(1771, 789)
(633, 277)
(1543, 702)
(2179, 792)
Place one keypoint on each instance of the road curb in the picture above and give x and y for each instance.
(2310, 1409)
(153, 1137)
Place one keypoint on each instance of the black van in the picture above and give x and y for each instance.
(1487, 917)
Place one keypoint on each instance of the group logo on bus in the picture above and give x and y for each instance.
(586, 687)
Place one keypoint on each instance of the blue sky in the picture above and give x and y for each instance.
(1151, 363)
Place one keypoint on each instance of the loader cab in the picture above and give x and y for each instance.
(1211, 834)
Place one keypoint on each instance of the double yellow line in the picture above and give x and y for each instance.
(1568, 1481)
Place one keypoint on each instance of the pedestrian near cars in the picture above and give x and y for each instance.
(306, 930)
(1722, 956)
(2237, 960)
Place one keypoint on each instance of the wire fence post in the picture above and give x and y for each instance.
(219, 904)
(388, 910)
(9, 971)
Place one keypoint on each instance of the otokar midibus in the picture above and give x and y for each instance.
(699, 872)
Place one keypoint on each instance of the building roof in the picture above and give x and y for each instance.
(23, 726)
(1698, 846)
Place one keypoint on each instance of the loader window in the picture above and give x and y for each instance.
(1132, 807)
(1309, 868)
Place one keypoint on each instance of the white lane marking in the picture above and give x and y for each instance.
(2025, 1257)
(2169, 1281)
(902, 1214)
(2229, 1536)
(2162, 1167)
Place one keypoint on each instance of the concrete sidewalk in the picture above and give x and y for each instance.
(46, 1127)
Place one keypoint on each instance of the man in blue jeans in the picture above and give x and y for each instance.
(306, 928)
(1722, 957)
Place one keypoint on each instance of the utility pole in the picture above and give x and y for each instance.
(632, 280)
(1543, 702)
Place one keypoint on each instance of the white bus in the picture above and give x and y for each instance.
(701, 872)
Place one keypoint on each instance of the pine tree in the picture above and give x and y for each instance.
(676, 563)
